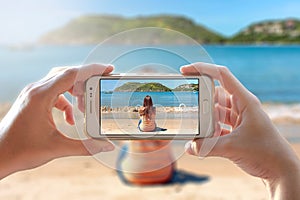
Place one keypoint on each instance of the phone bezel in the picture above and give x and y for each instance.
(92, 105)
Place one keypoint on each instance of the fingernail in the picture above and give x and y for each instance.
(182, 67)
(188, 148)
(110, 65)
(188, 145)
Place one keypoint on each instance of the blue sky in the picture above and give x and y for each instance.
(25, 21)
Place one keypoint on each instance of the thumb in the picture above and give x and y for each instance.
(216, 146)
(64, 80)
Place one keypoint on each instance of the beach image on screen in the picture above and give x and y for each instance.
(149, 106)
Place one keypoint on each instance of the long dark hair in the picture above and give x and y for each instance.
(148, 105)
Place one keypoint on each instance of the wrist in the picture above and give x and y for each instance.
(10, 158)
(6, 167)
(286, 184)
(7, 162)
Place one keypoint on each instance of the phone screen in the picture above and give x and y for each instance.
(149, 106)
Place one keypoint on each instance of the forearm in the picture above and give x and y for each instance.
(9, 157)
(12, 161)
(7, 162)
(5, 169)
(286, 186)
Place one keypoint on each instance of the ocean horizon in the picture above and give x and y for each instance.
(271, 72)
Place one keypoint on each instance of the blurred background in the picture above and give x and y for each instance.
(259, 41)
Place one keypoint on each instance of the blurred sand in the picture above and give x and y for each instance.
(85, 178)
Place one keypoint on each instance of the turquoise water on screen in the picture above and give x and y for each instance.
(165, 99)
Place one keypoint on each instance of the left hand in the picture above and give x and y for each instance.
(28, 135)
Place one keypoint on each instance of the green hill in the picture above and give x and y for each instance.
(128, 87)
(142, 87)
(187, 87)
(93, 29)
(271, 31)
(154, 87)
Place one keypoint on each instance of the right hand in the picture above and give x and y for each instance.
(254, 144)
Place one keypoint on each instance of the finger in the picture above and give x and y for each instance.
(219, 131)
(215, 146)
(81, 103)
(222, 97)
(64, 105)
(225, 77)
(219, 125)
(226, 115)
(55, 70)
(225, 132)
(85, 73)
(65, 79)
(94, 69)
(228, 81)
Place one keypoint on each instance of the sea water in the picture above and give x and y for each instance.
(161, 99)
(270, 72)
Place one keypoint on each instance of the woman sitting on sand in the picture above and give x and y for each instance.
(147, 116)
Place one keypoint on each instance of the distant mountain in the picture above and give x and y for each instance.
(128, 87)
(154, 87)
(93, 29)
(142, 87)
(187, 87)
(271, 31)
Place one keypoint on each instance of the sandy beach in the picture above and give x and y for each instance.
(85, 178)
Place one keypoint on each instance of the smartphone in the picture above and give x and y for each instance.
(133, 107)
